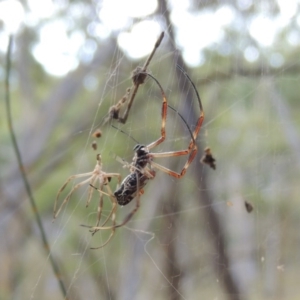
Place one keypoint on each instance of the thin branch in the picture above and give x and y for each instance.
(23, 173)
(172, 266)
(138, 77)
(137, 84)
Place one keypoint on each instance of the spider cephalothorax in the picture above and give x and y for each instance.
(141, 157)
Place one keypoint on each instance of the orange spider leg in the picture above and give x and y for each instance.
(163, 116)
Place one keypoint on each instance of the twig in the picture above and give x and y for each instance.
(138, 77)
(23, 173)
(137, 84)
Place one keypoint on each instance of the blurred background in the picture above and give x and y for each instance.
(194, 237)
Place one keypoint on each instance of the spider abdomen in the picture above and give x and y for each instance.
(131, 184)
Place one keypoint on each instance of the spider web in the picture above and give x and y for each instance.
(167, 250)
(141, 124)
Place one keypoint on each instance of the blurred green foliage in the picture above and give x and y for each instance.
(251, 125)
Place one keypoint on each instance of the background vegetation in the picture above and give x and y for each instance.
(192, 238)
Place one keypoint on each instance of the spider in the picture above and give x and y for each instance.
(142, 166)
(103, 179)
